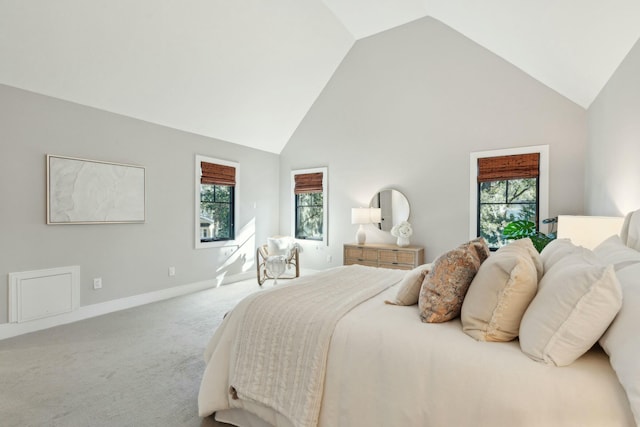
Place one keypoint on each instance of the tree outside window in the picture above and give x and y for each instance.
(504, 201)
(216, 212)
(309, 216)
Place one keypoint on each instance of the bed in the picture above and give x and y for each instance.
(382, 366)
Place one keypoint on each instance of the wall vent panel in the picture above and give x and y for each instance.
(43, 293)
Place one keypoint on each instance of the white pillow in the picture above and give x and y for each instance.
(630, 232)
(613, 251)
(621, 339)
(556, 250)
(500, 293)
(576, 301)
(409, 287)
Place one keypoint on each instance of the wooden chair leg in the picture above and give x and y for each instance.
(259, 263)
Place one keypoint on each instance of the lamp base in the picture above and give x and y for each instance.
(361, 235)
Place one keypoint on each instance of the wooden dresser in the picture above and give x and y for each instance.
(384, 255)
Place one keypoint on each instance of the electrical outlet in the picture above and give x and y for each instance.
(172, 271)
(97, 283)
(329, 258)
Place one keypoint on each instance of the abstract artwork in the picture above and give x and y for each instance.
(81, 191)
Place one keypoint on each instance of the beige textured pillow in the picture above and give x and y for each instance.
(445, 286)
(409, 287)
(500, 293)
(576, 301)
(621, 339)
(527, 244)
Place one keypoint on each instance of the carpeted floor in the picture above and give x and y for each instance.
(137, 367)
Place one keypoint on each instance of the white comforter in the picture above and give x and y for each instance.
(386, 368)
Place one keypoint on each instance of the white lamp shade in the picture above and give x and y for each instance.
(376, 215)
(360, 216)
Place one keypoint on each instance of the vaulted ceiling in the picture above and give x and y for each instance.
(247, 71)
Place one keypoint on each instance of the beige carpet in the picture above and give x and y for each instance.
(137, 367)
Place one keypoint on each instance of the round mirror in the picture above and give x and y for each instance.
(394, 208)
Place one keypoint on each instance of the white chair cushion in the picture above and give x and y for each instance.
(279, 245)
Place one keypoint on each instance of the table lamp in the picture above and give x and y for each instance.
(364, 216)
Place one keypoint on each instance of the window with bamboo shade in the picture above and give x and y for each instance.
(216, 183)
(309, 201)
(508, 190)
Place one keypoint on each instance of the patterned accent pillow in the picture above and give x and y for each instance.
(445, 286)
(480, 246)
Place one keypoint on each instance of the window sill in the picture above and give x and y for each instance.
(215, 244)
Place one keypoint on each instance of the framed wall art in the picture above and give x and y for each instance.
(81, 191)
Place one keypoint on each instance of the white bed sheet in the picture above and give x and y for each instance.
(386, 368)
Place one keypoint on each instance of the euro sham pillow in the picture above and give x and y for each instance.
(621, 342)
(576, 301)
(409, 287)
(613, 251)
(556, 250)
(444, 288)
(501, 292)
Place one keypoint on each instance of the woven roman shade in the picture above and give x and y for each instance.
(509, 167)
(213, 173)
(308, 183)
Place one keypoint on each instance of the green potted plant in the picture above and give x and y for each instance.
(524, 228)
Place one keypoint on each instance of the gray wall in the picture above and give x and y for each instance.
(404, 110)
(613, 174)
(131, 258)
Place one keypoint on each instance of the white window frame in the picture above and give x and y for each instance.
(543, 181)
(236, 203)
(325, 204)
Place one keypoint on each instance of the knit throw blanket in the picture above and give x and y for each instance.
(280, 351)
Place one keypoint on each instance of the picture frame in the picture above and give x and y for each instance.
(83, 191)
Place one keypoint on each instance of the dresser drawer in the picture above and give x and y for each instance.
(361, 254)
(392, 256)
(360, 262)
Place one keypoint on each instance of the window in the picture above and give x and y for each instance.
(310, 204)
(507, 185)
(216, 194)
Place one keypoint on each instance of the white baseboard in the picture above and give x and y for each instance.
(8, 330)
